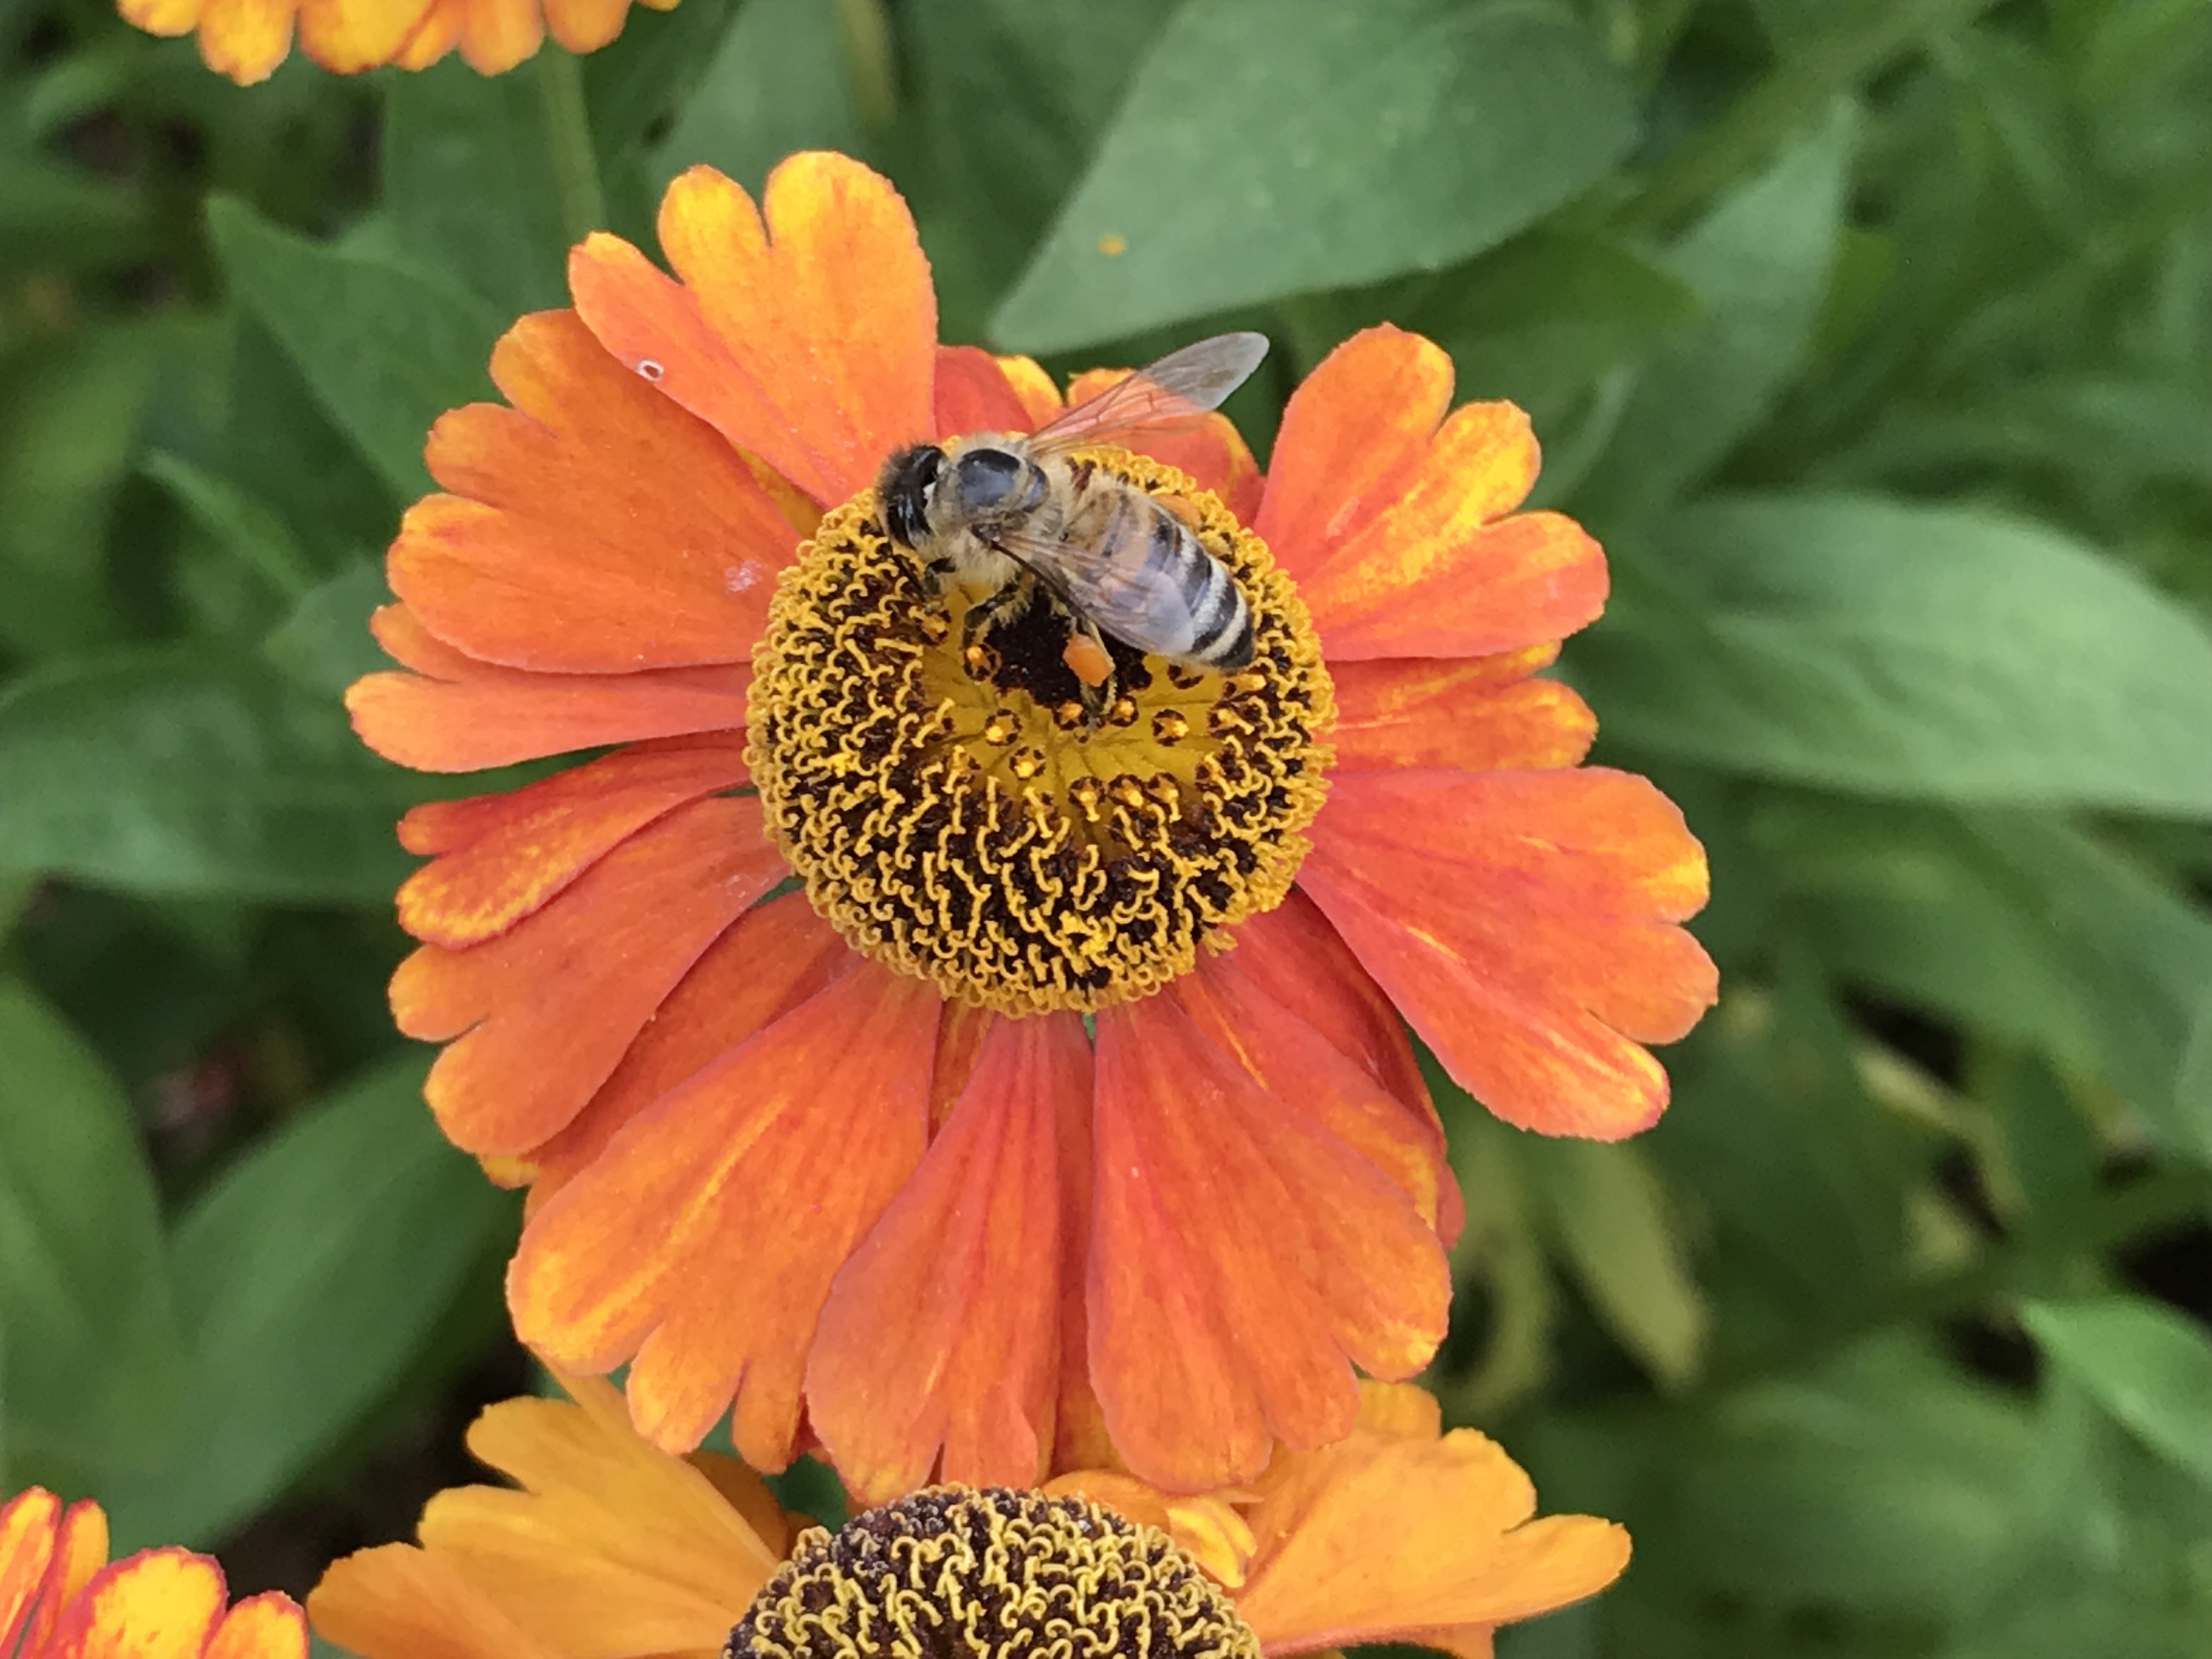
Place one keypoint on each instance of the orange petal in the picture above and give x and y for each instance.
(265, 1626)
(1210, 450)
(433, 34)
(1353, 436)
(1376, 1539)
(346, 37)
(974, 395)
(497, 34)
(29, 1524)
(157, 1604)
(1035, 389)
(703, 1241)
(457, 714)
(245, 40)
(1395, 528)
(162, 17)
(1293, 1061)
(1294, 957)
(941, 1334)
(1520, 921)
(540, 1015)
(1476, 714)
(397, 1602)
(1241, 1260)
(804, 330)
(594, 528)
(503, 856)
(777, 955)
(1430, 581)
(612, 1547)
(80, 1552)
(584, 25)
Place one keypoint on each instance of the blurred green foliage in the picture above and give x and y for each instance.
(1872, 337)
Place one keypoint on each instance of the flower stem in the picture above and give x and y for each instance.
(1861, 38)
(568, 142)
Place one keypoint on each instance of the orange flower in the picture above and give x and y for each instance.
(1398, 1532)
(61, 1598)
(855, 1153)
(245, 40)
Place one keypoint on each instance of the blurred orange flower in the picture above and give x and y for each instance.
(61, 1598)
(982, 1141)
(1399, 1533)
(245, 40)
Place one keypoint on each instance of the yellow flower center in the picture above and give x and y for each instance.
(958, 815)
(952, 1573)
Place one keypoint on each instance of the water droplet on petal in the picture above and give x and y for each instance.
(652, 370)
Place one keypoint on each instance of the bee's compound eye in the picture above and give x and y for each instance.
(987, 476)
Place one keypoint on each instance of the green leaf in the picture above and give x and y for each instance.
(1611, 1215)
(1939, 653)
(1760, 265)
(252, 532)
(1879, 1481)
(325, 643)
(777, 84)
(469, 181)
(2192, 1083)
(184, 772)
(307, 1277)
(1550, 312)
(2015, 924)
(56, 217)
(69, 416)
(2147, 1364)
(1800, 1177)
(84, 1289)
(385, 346)
(1272, 147)
(990, 169)
(281, 448)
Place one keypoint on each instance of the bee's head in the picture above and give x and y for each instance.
(905, 487)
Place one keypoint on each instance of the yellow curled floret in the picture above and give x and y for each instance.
(957, 816)
(955, 1572)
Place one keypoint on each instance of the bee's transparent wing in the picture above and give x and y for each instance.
(1178, 388)
(1136, 602)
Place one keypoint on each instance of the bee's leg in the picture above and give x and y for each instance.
(1009, 601)
(938, 574)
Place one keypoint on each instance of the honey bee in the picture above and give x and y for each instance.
(1020, 515)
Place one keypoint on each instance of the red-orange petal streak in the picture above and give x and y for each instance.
(805, 329)
(1241, 1260)
(454, 713)
(540, 1015)
(942, 1333)
(594, 528)
(502, 856)
(777, 955)
(1474, 714)
(705, 1238)
(28, 1523)
(1522, 921)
